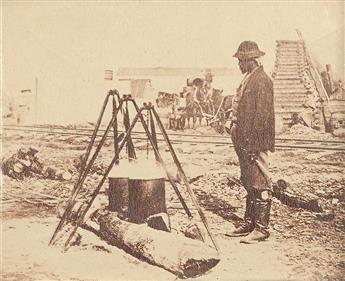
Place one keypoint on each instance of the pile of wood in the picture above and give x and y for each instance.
(25, 163)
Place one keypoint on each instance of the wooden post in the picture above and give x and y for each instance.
(329, 76)
(36, 98)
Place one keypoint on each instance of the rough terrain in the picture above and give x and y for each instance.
(303, 245)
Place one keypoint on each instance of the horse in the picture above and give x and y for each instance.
(193, 109)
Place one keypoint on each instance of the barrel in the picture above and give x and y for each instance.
(118, 194)
(146, 197)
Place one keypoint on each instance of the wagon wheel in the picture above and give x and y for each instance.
(218, 124)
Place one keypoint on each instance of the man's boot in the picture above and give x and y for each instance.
(261, 219)
(248, 224)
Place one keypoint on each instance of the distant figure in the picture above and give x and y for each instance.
(253, 135)
(296, 119)
(192, 107)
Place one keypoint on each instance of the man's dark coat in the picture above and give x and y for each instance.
(255, 114)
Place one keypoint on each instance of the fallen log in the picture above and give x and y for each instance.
(294, 201)
(174, 252)
(279, 192)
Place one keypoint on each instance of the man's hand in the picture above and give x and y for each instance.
(253, 155)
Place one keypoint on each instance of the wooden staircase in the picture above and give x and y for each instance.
(290, 91)
(298, 86)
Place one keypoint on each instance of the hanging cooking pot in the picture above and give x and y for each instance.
(146, 192)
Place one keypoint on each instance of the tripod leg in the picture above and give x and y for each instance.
(115, 128)
(93, 137)
(153, 131)
(130, 145)
(81, 181)
(95, 193)
(183, 175)
(160, 160)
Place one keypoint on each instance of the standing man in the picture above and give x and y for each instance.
(253, 135)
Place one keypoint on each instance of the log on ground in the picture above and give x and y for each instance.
(296, 202)
(182, 256)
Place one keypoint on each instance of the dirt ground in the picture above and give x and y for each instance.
(303, 245)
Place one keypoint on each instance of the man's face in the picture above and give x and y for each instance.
(243, 65)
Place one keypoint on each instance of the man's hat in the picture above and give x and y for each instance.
(198, 82)
(248, 50)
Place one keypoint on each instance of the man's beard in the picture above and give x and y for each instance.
(243, 70)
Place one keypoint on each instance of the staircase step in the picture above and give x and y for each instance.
(282, 81)
(288, 112)
(293, 76)
(289, 58)
(281, 89)
(290, 50)
(290, 96)
(287, 70)
(281, 84)
(289, 54)
(288, 91)
(287, 73)
(293, 58)
(289, 47)
(291, 104)
(299, 42)
(288, 84)
(288, 64)
(286, 57)
(285, 77)
(288, 61)
(288, 105)
(284, 115)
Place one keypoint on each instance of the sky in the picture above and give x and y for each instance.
(68, 45)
